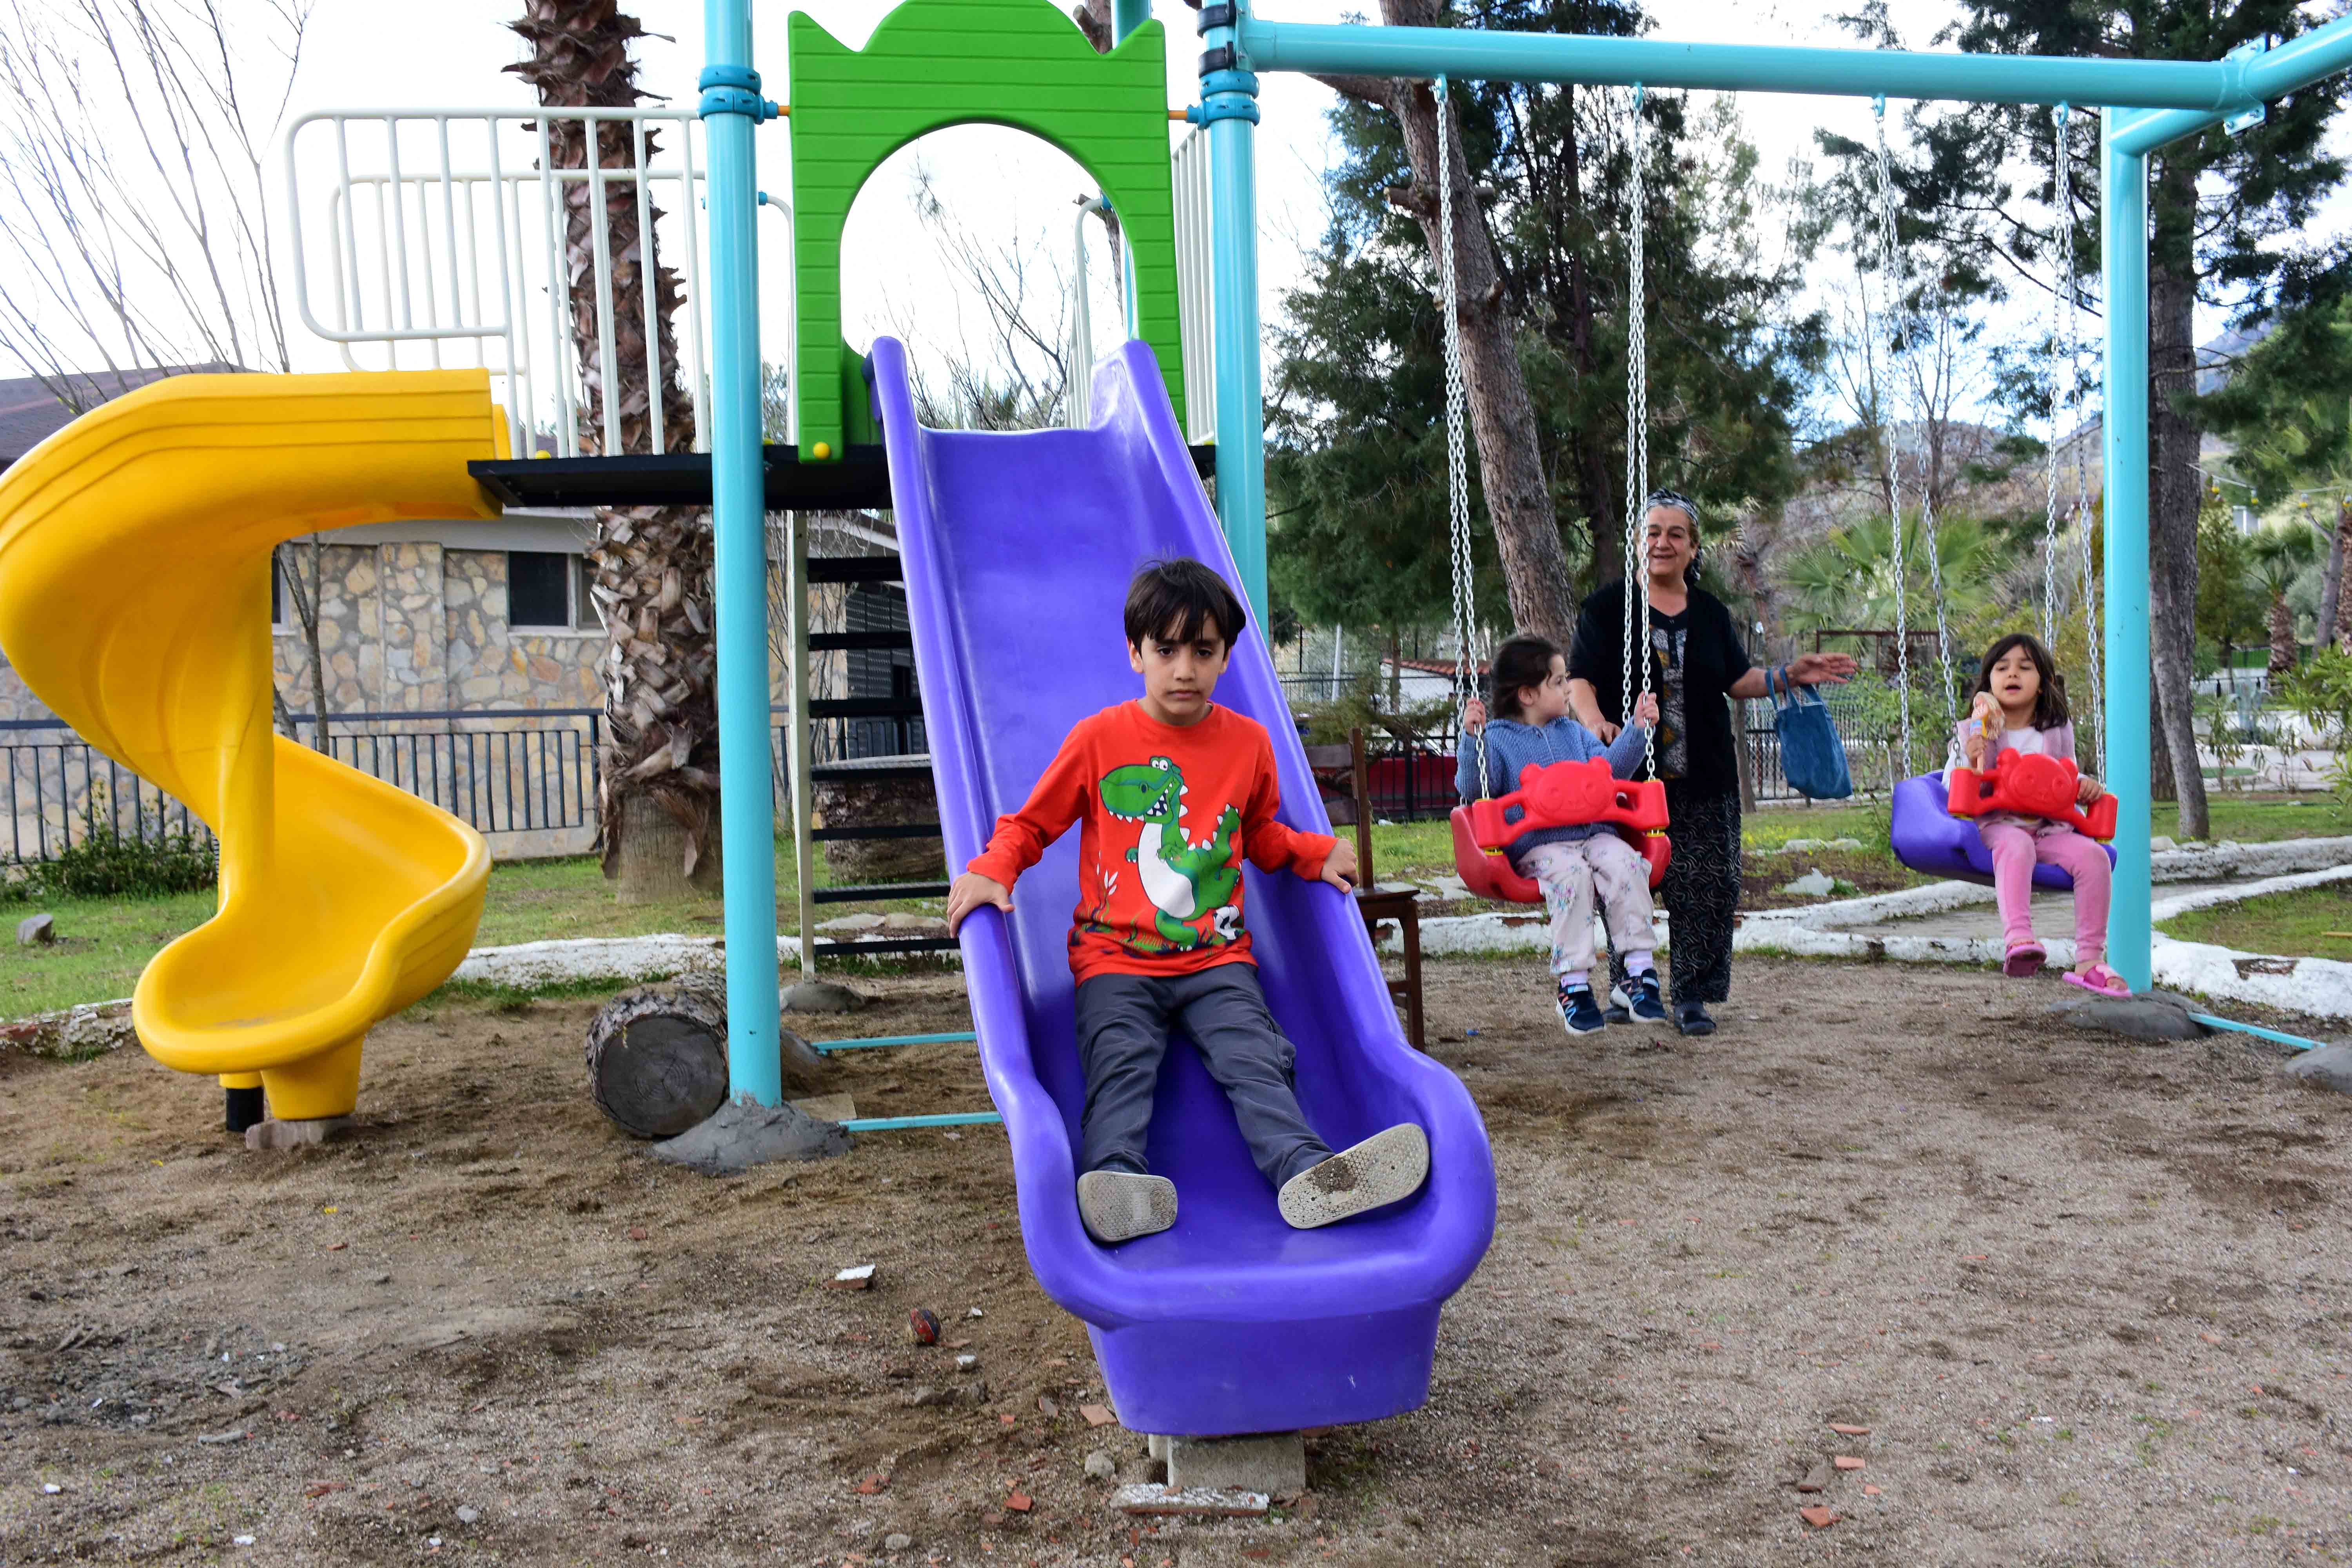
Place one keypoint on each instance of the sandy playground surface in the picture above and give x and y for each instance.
(2090, 1299)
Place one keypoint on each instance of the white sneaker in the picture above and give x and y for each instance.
(1120, 1206)
(1389, 1165)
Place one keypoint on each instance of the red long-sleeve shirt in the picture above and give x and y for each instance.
(1168, 813)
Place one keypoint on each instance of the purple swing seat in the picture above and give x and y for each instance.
(1928, 839)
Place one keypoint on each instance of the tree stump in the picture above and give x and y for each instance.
(658, 1058)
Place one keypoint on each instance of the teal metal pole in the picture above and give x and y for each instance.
(732, 109)
(2297, 1041)
(903, 1123)
(1125, 16)
(2122, 242)
(1472, 53)
(1229, 108)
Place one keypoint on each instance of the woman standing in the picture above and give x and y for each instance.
(1697, 662)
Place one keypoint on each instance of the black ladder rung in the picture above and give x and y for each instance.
(826, 642)
(876, 892)
(827, 947)
(858, 835)
(867, 708)
(920, 770)
(853, 568)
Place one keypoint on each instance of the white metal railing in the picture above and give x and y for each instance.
(1195, 292)
(1079, 383)
(443, 233)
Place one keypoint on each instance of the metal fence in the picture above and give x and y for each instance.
(507, 772)
(530, 775)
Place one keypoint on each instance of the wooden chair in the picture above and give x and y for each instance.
(1341, 774)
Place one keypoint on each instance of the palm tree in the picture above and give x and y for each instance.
(659, 813)
(2279, 554)
(1847, 579)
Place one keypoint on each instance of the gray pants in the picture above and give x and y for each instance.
(1124, 1022)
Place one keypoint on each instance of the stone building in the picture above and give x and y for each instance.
(461, 661)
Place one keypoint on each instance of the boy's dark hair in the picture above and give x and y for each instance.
(1519, 663)
(2050, 704)
(1179, 598)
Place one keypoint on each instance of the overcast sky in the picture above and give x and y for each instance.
(438, 53)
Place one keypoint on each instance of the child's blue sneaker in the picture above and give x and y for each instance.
(1579, 1011)
(1644, 1001)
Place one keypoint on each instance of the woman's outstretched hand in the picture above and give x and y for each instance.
(1817, 669)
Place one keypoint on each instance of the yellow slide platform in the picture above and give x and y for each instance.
(134, 599)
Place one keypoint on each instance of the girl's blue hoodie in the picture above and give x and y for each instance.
(1512, 745)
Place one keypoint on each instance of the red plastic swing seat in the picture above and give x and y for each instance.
(2033, 785)
(1562, 795)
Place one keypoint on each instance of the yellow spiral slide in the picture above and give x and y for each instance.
(134, 600)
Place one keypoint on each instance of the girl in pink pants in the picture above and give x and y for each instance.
(2020, 706)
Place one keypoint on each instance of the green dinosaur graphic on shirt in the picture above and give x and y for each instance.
(1184, 881)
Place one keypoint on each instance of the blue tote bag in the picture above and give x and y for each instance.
(1812, 758)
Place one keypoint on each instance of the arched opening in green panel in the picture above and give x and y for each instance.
(981, 224)
(934, 64)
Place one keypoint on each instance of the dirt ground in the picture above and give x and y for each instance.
(2089, 1298)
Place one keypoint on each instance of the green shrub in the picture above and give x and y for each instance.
(108, 865)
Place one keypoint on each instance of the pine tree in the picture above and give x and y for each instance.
(1357, 456)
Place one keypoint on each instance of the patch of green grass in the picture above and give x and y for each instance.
(2290, 924)
(2258, 819)
(103, 943)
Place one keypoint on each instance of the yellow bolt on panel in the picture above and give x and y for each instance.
(134, 600)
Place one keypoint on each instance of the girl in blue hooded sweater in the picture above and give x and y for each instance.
(1530, 725)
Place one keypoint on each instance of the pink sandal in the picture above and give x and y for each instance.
(2026, 958)
(2101, 979)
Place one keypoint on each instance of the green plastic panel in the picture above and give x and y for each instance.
(935, 63)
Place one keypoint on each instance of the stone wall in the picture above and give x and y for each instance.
(409, 623)
(404, 626)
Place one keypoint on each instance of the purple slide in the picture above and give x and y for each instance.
(1018, 549)
(1929, 837)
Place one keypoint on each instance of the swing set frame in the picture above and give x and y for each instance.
(2146, 104)
(2143, 105)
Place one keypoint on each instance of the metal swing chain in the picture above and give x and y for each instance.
(2058, 301)
(1457, 465)
(1637, 427)
(1909, 359)
(2070, 334)
(1890, 274)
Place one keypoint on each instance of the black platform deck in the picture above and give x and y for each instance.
(861, 480)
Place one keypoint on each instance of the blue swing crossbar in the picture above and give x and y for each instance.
(900, 1123)
(826, 1048)
(2297, 1041)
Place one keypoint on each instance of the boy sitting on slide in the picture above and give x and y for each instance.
(1172, 790)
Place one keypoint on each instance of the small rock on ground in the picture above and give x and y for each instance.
(2330, 1067)
(1101, 1465)
(897, 1541)
(1813, 884)
(36, 930)
(2154, 1016)
(275, 1135)
(470, 1515)
(820, 996)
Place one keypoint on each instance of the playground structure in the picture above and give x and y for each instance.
(1228, 1323)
